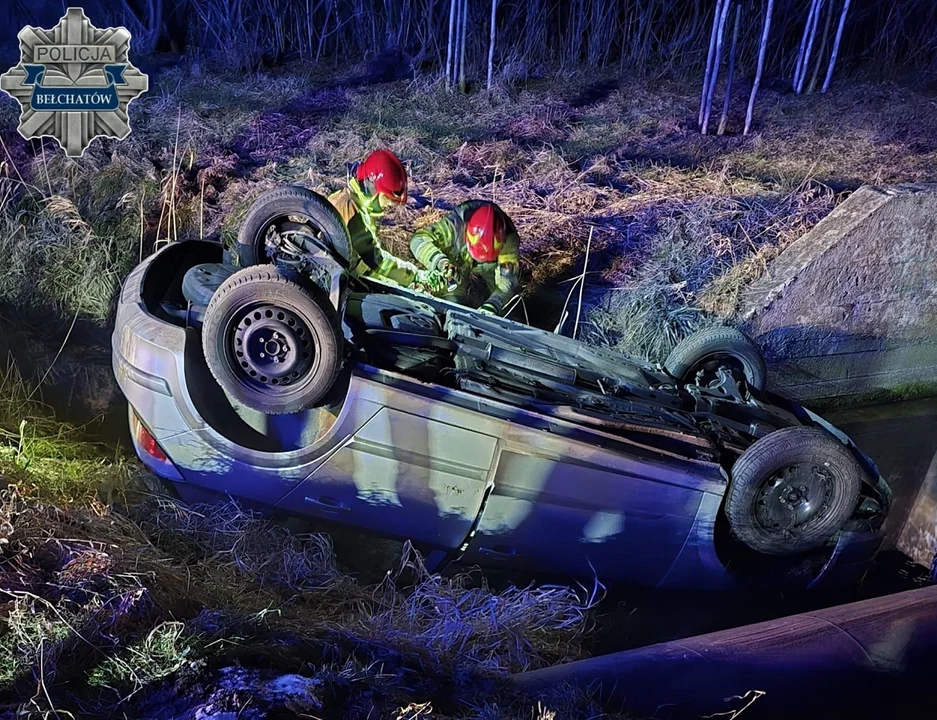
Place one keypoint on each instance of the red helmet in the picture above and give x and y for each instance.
(382, 173)
(484, 233)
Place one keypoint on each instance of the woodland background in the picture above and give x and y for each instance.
(637, 36)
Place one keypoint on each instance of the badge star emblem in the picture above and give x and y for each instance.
(74, 82)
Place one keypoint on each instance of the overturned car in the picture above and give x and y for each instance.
(290, 383)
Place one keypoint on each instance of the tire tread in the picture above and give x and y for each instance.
(716, 339)
(269, 274)
(769, 454)
(291, 200)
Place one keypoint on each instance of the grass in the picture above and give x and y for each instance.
(103, 607)
(116, 600)
(49, 460)
(560, 156)
(902, 393)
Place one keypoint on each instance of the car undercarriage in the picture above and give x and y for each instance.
(557, 376)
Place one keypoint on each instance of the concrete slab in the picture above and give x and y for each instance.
(849, 311)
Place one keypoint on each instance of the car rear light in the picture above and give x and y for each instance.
(148, 444)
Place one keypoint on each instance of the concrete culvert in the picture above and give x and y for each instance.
(848, 312)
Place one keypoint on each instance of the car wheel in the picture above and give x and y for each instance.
(271, 344)
(792, 491)
(291, 209)
(707, 350)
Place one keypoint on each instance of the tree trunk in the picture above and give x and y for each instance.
(813, 36)
(717, 61)
(822, 49)
(731, 74)
(839, 36)
(761, 64)
(322, 33)
(449, 48)
(709, 61)
(803, 44)
(464, 26)
(491, 43)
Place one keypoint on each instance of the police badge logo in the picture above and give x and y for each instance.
(74, 82)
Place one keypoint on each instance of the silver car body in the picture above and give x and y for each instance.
(483, 481)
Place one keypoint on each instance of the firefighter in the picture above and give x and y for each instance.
(475, 249)
(380, 180)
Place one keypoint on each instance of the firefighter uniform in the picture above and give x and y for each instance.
(476, 247)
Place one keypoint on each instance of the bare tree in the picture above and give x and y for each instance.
(491, 43)
(731, 74)
(802, 50)
(822, 49)
(463, 26)
(717, 61)
(765, 33)
(809, 53)
(839, 36)
(449, 53)
(642, 34)
(709, 61)
(322, 33)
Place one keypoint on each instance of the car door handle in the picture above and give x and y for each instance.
(499, 552)
(328, 504)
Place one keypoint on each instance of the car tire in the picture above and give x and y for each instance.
(711, 345)
(792, 490)
(278, 206)
(273, 345)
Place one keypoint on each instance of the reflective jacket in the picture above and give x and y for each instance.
(361, 216)
(445, 240)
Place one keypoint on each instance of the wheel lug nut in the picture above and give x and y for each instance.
(262, 355)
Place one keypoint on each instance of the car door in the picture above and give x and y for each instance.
(403, 475)
(568, 515)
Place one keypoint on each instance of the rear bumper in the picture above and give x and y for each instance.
(149, 363)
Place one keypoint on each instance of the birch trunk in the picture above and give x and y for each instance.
(731, 73)
(709, 61)
(491, 43)
(803, 45)
(822, 49)
(808, 54)
(462, 34)
(452, 4)
(839, 36)
(761, 65)
(717, 61)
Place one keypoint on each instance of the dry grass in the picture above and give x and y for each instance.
(113, 599)
(93, 598)
(559, 156)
